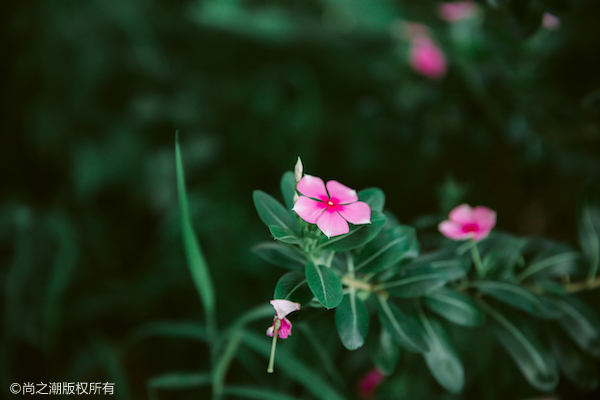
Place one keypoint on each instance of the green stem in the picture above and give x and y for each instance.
(274, 346)
(477, 258)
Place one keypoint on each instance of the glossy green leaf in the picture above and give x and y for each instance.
(455, 306)
(519, 297)
(324, 284)
(280, 255)
(388, 248)
(444, 364)
(555, 261)
(535, 362)
(406, 330)
(358, 236)
(588, 226)
(271, 212)
(384, 352)
(500, 254)
(288, 189)
(196, 261)
(414, 282)
(581, 323)
(284, 235)
(445, 261)
(374, 197)
(578, 367)
(352, 321)
(293, 287)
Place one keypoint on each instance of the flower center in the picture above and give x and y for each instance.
(330, 203)
(470, 228)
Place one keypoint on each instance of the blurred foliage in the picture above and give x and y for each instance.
(93, 92)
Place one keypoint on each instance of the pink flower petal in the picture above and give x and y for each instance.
(482, 234)
(428, 60)
(312, 186)
(341, 194)
(484, 217)
(357, 213)
(308, 209)
(453, 230)
(462, 214)
(369, 382)
(270, 330)
(332, 223)
(285, 329)
(284, 307)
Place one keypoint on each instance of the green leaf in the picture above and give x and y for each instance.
(294, 367)
(588, 226)
(555, 261)
(455, 306)
(323, 353)
(248, 392)
(414, 282)
(581, 323)
(445, 261)
(374, 197)
(444, 364)
(271, 212)
(388, 248)
(500, 254)
(280, 255)
(196, 261)
(519, 297)
(535, 362)
(578, 367)
(293, 287)
(288, 189)
(385, 352)
(405, 330)
(352, 321)
(177, 381)
(324, 284)
(284, 235)
(358, 236)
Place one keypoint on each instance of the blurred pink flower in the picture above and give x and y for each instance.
(426, 58)
(330, 208)
(465, 222)
(369, 383)
(550, 21)
(457, 10)
(282, 309)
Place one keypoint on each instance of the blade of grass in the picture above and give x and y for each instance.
(196, 261)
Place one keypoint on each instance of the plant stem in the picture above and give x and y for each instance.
(477, 258)
(274, 346)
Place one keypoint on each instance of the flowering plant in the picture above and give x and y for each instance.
(373, 274)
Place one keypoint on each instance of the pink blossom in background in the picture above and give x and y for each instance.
(330, 206)
(427, 59)
(465, 222)
(369, 383)
(550, 21)
(457, 10)
(282, 309)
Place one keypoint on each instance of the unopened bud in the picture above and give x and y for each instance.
(298, 170)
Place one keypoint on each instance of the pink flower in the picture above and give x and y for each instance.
(550, 21)
(457, 11)
(282, 309)
(465, 222)
(330, 208)
(426, 58)
(369, 383)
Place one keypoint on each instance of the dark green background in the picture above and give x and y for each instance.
(93, 92)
